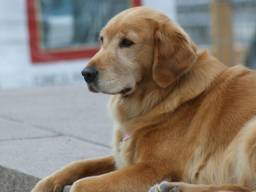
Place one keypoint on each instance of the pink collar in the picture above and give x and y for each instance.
(126, 136)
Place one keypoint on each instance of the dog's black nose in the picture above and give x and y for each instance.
(90, 74)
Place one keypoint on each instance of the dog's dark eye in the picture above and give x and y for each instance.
(125, 43)
(101, 39)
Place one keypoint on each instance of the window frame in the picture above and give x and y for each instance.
(38, 55)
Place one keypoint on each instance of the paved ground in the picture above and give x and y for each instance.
(43, 129)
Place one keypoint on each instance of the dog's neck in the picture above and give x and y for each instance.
(151, 101)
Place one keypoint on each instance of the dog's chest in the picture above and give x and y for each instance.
(122, 152)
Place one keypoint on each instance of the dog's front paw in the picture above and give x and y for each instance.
(47, 185)
(166, 186)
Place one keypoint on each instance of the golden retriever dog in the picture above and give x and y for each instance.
(180, 114)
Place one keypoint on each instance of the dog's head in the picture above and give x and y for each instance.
(138, 45)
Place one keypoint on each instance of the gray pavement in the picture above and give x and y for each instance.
(42, 129)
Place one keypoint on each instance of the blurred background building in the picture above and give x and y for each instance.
(48, 42)
(226, 27)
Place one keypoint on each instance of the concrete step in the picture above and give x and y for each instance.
(15, 181)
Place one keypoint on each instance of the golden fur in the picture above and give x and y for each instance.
(189, 117)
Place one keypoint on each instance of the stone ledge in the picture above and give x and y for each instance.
(15, 181)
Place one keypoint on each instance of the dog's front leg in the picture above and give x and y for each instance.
(134, 178)
(73, 172)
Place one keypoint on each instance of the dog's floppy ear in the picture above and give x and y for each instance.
(174, 54)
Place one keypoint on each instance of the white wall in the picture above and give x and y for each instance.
(16, 69)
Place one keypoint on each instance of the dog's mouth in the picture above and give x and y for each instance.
(124, 92)
(92, 88)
